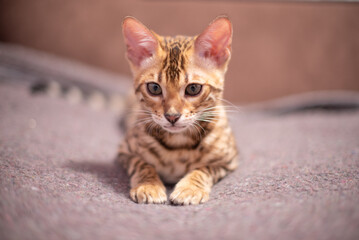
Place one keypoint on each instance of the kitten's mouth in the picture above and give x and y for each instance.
(174, 129)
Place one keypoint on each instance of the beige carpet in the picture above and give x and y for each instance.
(298, 177)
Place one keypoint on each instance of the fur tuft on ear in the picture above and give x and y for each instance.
(141, 43)
(214, 43)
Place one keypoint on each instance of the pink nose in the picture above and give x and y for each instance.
(172, 118)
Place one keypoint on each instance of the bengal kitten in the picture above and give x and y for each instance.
(179, 132)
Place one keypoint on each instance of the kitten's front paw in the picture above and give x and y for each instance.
(148, 193)
(189, 194)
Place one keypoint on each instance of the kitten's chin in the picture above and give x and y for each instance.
(174, 129)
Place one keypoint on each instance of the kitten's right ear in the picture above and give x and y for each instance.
(141, 43)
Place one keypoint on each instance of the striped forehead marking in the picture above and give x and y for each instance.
(175, 60)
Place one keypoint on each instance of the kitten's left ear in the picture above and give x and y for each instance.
(214, 43)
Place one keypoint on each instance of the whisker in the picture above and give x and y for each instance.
(209, 114)
(198, 130)
(205, 120)
(208, 119)
(142, 122)
(230, 103)
(151, 126)
(220, 106)
(220, 109)
(138, 110)
(145, 118)
(195, 122)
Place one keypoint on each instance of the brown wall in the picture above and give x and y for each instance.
(279, 48)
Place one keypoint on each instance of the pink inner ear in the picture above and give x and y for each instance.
(215, 42)
(140, 42)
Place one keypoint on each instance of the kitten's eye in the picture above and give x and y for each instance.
(154, 89)
(193, 89)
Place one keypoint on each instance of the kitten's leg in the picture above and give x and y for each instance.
(194, 188)
(146, 186)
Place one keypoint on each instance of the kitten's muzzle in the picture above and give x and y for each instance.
(172, 118)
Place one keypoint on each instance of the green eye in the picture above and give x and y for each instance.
(193, 89)
(154, 89)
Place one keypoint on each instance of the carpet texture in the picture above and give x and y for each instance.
(298, 176)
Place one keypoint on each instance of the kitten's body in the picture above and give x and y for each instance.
(178, 131)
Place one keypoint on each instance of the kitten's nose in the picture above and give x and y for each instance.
(172, 118)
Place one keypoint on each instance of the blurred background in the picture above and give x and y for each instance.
(279, 48)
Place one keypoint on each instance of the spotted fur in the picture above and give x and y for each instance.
(196, 149)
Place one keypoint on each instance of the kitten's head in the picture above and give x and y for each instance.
(179, 80)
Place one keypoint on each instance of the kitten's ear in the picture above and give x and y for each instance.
(214, 43)
(141, 43)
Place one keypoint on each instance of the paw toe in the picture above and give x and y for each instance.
(148, 194)
(188, 196)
